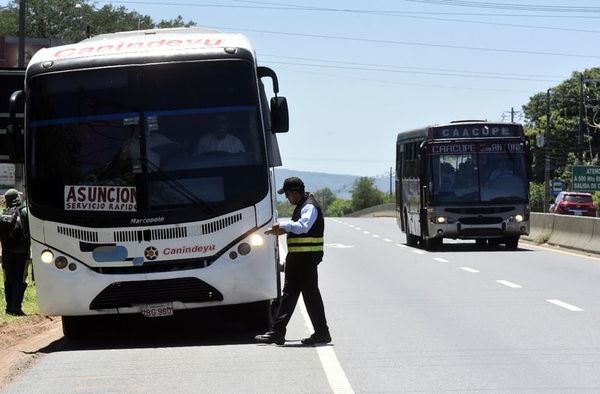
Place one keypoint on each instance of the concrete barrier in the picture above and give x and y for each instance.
(572, 231)
(383, 210)
(540, 227)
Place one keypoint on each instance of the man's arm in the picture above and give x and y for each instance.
(308, 217)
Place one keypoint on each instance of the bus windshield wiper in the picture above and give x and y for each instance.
(179, 187)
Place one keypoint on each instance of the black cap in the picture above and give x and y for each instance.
(12, 197)
(291, 184)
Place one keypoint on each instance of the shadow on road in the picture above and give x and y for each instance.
(472, 247)
(201, 327)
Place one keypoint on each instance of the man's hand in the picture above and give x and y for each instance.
(275, 230)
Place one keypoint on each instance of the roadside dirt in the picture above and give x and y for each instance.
(20, 342)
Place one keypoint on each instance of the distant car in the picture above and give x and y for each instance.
(574, 203)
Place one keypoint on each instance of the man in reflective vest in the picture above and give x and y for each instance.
(305, 252)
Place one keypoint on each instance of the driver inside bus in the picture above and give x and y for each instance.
(503, 168)
(220, 139)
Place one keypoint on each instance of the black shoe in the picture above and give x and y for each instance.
(18, 312)
(316, 339)
(271, 337)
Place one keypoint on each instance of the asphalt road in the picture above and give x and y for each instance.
(460, 319)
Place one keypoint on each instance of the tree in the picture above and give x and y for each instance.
(365, 194)
(67, 20)
(565, 105)
(324, 197)
(339, 207)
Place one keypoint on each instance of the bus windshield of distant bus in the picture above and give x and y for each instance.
(478, 172)
(145, 139)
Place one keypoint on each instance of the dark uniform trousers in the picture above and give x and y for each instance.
(15, 274)
(301, 277)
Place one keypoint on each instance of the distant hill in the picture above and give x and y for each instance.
(340, 184)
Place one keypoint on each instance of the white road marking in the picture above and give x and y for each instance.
(402, 245)
(375, 236)
(441, 260)
(366, 232)
(351, 226)
(387, 240)
(509, 284)
(339, 246)
(417, 251)
(565, 305)
(468, 269)
(357, 228)
(333, 370)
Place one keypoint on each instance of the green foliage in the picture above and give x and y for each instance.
(596, 199)
(324, 197)
(564, 125)
(339, 207)
(67, 20)
(365, 194)
(285, 209)
(536, 197)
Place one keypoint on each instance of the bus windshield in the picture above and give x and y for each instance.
(145, 139)
(478, 172)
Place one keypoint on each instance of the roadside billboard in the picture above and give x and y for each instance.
(586, 179)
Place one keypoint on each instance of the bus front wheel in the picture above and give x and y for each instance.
(512, 243)
(74, 327)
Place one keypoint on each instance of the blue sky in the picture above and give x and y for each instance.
(357, 72)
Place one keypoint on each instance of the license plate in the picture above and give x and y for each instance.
(577, 213)
(158, 310)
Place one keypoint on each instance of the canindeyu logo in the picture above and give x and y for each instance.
(151, 253)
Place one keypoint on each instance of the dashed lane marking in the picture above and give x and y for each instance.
(417, 251)
(441, 260)
(333, 370)
(402, 245)
(387, 240)
(509, 284)
(562, 304)
(469, 269)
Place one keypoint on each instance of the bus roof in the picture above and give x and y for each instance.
(154, 42)
(460, 130)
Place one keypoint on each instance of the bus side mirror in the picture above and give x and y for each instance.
(280, 122)
(14, 131)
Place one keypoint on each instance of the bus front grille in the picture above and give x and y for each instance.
(480, 232)
(481, 220)
(128, 294)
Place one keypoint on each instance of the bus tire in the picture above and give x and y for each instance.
(512, 243)
(74, 327)
(257, 315)
(481, 242)
(433, 243)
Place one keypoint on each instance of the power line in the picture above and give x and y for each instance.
(509, 6)
(406, 43)
(389, 13)
(466, 72)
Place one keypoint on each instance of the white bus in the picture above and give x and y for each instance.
(149, 162)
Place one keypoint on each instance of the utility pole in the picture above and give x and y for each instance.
(580, 134)
(547, 154)
(19, 184)
(390, 181)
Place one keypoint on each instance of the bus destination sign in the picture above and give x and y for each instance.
(476, 131)
(462, 148)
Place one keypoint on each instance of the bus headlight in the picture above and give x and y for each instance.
(441, 219)
(256, 240)
(47, 256)
(518, 218)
